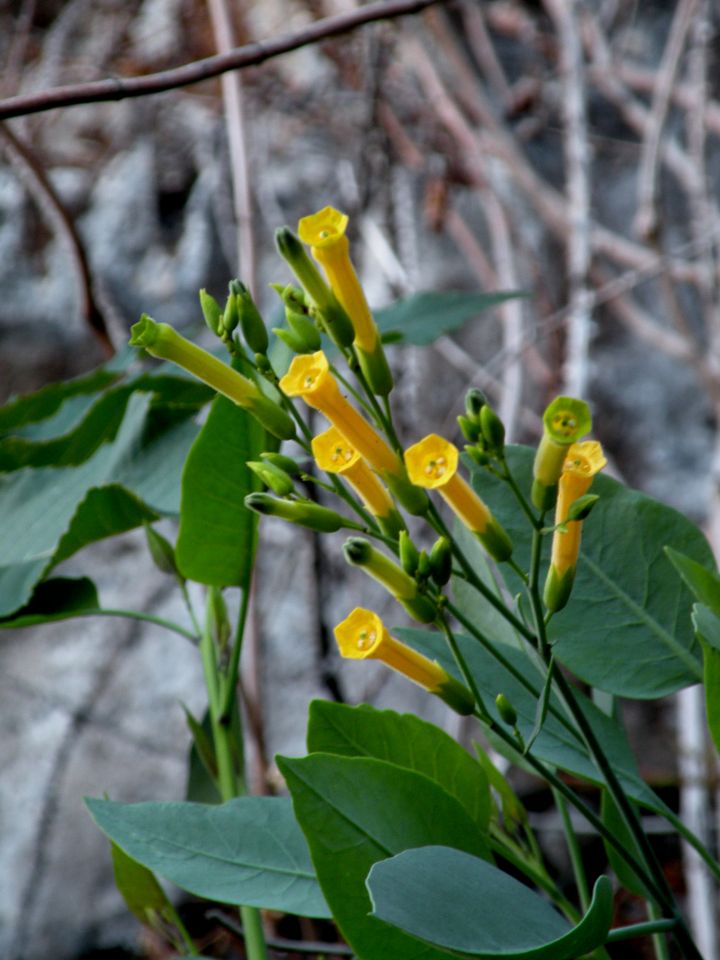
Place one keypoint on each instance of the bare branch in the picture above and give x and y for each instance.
(252, 54)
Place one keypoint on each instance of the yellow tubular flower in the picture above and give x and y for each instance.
(324, 232)
(583, 461)
(362, 635)
(433, 464)
(334, 454)
(309, 377)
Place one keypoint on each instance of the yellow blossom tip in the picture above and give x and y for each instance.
(305, 374)
(332, 452)
(359, 634)
(431, 462)
(584, 459)
(324, 228)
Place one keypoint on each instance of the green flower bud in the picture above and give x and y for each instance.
(161, 551)
(361, 553)
(423, 570)
(293, 298)
(304, 513)
(231, 317)
(251, 323)
(477, 455)
(304, 329)
(211, 311)
(291, 340)
(507, 712)
(409, 556)
(273, 477)
(475, 400)
(470, 429)
(441, 561)
(287, 464)
(493, 429)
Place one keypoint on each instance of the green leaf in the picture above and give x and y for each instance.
(49, 513)
(249, 851)
(704, 582)
(615, 823)
(44, 403)
(423, 317)
(707, 627)
(216, 540)
(558, 743)
(355, 811)
(138, 887)
(404, 740)
(59, 598)
(627, 627)
(455, 901)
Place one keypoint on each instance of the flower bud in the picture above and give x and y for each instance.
(273, 477)
(475, 400)
(507, 712)
(493, 430)
(409, 556)
(251, 323)
(302, 512)
(283, 462)
(211, 311)
(470, 429)
(441, 561)
(304, 329)
(361, 553)
(231, 317)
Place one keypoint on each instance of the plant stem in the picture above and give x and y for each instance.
(641, 930)
(660, 944)
(136, 615)
(574, 851)
(507, 476)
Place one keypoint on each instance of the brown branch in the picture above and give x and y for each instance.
(250, 55)
(48, 200)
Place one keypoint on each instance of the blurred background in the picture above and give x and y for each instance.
(565, 148)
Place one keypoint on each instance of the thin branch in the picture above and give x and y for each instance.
(577, 172)
(646, 217)
(232, 91)
(48, 200)
(252, 54)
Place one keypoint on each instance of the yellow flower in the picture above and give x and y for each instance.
(324, 232)
(433, 463)
(583, 461)
(565, 421)
(362, 635)
(334, 454)
(309, 377)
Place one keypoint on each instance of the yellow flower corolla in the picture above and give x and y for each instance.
(583, 461)
(324, 232)
(433, 463)
(363, 635)
(334, 454)
(309, 377)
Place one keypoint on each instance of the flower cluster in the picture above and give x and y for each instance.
(362, 460)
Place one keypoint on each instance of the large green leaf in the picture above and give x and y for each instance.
(45, 403)
(558, 743)
(423, 317)
(627, 627)
(707, 627)
(249, 851)
(704, 582)
(456, 901)
(47, 514)
(58, 598)
(216, 540)
(405, 740)
(355, 811)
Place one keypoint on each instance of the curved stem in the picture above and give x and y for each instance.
(136, 615)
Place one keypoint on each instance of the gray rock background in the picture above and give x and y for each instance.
(94, 705)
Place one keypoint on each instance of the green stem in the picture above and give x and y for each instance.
(574, 851)
(507, 476)
(660, 944)
(437, 523)
(227, 780)
(136, 615)
(177, 922)
(641, 930)
(229, 682)
(189, 607)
